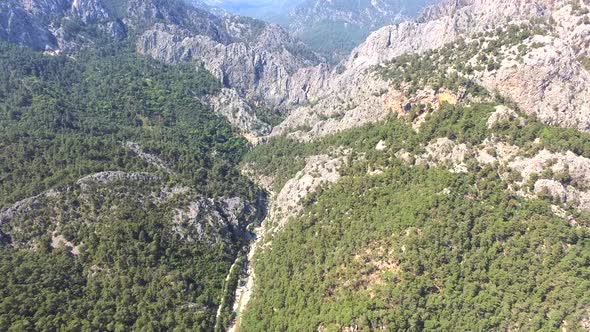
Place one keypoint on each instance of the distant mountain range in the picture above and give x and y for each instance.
(331, 27)
(274, 11)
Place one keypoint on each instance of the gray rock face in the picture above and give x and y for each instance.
(445, 23)
(37, 24)
(89, 11)
(105, 178)
(549, 83)
(576, 166)
(319, 170)
(21, 207)
(363, 101)
(445, 151)
(238, 112)
(503, 114)
(20, 27)
(46, 9)
(260, 65)
(563, 194)
(212, 220)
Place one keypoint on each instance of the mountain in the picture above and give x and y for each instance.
(437, 178)
(254, 59)
(330, 27)
(431, 179)
(122, 204)
(538, 66)
(261, 9)
(335, 27)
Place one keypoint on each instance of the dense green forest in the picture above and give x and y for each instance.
(133, 269)
(334, 40)
(421, 248)
(393, 252)
(64, 118)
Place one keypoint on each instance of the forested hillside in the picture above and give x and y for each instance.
(138, 245)
(67, 118)
(408, 240)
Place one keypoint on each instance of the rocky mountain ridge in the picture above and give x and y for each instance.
(542, 75)
(265, 65)
(526, 58)
(267, 68)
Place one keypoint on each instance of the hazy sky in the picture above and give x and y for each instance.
(249, 2)
(253, 3)
(264, 9)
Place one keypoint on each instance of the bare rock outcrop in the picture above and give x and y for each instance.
(503, 114)
(563, 194)
(19, 26)
(319, 170)
(105, 178)
(445, 151)
(238, 112)
(494, 150)
(26, 205)
(566, 162)
(363, 102)
(260, 67)
(148, 157)
(89, 11)
(549, 83)
(210, 220)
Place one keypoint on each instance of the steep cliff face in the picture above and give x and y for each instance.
(549, 83)
(451, 20)
(19, 26)
(258, 62)
(330, 27)
(55, 25)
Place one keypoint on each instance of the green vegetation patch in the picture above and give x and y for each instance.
(63, 119)
(420, 248)
(417, 249)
